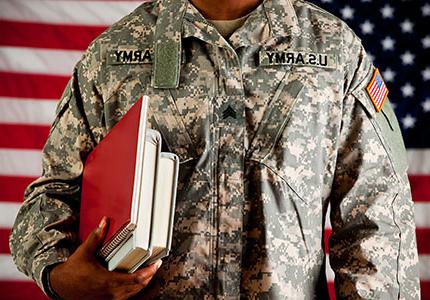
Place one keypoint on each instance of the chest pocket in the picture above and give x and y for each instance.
(268, 147)
(169, 122)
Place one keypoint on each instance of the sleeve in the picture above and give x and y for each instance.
(372, 247)
(45, 230)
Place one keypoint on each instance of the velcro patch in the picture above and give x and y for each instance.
(298, 58)
(377, 90)
(130, 56)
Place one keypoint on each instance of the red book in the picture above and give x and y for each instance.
(112, 177)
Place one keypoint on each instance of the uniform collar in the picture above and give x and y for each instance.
(271, 19)
(282, 18)
(179, 19)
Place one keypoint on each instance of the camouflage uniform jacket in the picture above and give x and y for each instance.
(271, 127)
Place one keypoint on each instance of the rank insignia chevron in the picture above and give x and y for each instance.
(229, 112)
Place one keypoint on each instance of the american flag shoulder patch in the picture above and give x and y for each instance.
(377, 90)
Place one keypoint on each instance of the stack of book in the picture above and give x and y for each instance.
(128, 179)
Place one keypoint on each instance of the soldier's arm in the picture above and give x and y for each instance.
(372, 248)
(45, 230)
(44, 238)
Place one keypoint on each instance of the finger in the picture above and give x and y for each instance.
(124, 291)
(131, 290)
(96, 237)
(123, 279)
(146, 282)
(138, 277)
(147, 272)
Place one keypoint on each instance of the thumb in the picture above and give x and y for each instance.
(95, 238)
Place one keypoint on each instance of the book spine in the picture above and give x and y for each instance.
(119, 237)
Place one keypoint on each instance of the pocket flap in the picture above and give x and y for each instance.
(275, 117)
(170, 124)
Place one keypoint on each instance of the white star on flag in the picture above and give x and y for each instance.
(407, 26)
(426, 105)
(407, 58)
(408, 121)
(387, 12)
(389, 75)
(426, 74)
(388, 43)
(367, 27)
(426, 10)
(407, 90)
(347, 12)
(426, 42)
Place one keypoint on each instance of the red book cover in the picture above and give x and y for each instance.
(108, 177)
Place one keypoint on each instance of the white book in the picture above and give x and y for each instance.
(151, 240)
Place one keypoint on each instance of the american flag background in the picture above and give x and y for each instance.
(41, 40)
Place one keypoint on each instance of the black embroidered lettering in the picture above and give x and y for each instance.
(280, 57)
(137, 56)
(290, 58)
(299, 59)
(312, 59)
(118, 55)
(270, 56)
(147, 56)
(323, 60)
(127, 56)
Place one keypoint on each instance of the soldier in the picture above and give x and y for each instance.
(275, 115)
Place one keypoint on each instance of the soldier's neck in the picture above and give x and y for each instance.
(225, 9)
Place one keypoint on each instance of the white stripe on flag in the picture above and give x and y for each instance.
(8, 212)
(422, 213)
(419, 161)
(328, 270)
(424, 267)
(8, 270)
(38, 61)
(27, 111)
(18, 162)
(379, 96)
(66, 12)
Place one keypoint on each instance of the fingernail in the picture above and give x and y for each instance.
(158, 264)
(140, 279)
(102, 223)
(101, 226)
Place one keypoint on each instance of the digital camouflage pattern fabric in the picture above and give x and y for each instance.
(271, 127)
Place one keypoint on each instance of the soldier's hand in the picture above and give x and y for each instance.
(83, 277)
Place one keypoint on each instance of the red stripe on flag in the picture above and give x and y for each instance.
(331, 291)
(33, 86)
(425, 289)
(327, 233)
(12, 188)
(23, 136)
(420, 186)
(4, 241)
(52, 36)
(423, 237)
(20, 290)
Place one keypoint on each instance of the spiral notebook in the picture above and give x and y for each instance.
(118, 180)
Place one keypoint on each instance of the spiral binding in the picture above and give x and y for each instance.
(119, 237)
